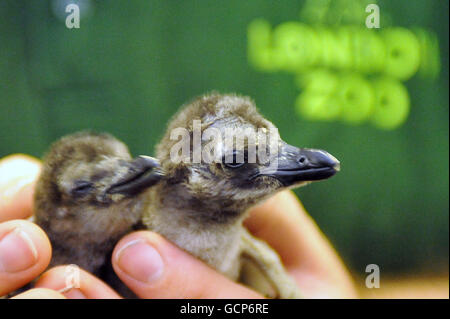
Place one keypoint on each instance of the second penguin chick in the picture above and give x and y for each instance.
(88, 197)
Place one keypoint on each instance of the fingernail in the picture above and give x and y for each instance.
(141, 261)
(17, 251)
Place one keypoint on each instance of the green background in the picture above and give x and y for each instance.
(133, 63)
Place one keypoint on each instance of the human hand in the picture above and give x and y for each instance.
(25, 250)
(155, 268)
(305, 251)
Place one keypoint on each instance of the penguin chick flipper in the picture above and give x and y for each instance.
(261, 268)
(251, 275)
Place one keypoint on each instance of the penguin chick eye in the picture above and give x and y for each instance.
(234, 162)
(81, 188)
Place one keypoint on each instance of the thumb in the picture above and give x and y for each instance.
(155, 268)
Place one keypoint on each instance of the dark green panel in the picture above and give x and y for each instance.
(133, 63)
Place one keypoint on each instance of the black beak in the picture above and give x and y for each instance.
(144, 171)
(302, 164)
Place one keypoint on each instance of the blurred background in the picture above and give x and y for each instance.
(131, 64)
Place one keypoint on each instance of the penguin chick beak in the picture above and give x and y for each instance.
(144, 171)
(302, 165)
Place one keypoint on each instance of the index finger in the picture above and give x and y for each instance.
(303, 248)
(18, 175)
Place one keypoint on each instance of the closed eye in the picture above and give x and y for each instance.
(235, 160)
(81, 188)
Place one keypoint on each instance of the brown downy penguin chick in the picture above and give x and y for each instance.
(201, 206)
(89, 195)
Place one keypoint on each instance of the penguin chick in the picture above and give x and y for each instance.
(200, 206)
(88, 196)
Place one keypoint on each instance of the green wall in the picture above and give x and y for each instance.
(133, 63)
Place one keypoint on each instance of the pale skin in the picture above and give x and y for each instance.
(151, 266)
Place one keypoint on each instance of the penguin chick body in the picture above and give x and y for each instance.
(89, 195)
(200, 206)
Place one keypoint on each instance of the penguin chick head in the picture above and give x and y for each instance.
(86, 173)
(235, 156)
